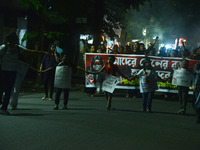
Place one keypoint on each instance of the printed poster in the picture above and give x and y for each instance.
(182, 78)
(110, 83)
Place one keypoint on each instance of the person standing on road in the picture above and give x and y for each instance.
(148, 84)
(9, 55)
(49, 61)
(183, 90)
(64, 62)
(110, 69)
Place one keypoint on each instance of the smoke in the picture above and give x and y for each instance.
(168, 21)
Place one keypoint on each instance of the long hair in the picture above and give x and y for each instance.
(94, 59)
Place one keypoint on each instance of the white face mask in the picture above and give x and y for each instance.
(97, 65)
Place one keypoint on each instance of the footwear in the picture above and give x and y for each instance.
(108, 109)
(181, 111)
(4, 112)
(64, 107)
(91, 95)
(143, 109)
(50, 98)
(55, 107)
(44, 97)
(127, 96)
(149, 110)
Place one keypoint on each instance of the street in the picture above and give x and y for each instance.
(86, 125)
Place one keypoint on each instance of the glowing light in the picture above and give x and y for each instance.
(144, 31)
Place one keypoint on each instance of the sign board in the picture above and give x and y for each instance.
(63, 77)
(110, 83)
(130, 64)
(182, 78)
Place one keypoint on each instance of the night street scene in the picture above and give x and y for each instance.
(99, 75)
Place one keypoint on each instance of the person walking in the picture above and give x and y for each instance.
(110, 69)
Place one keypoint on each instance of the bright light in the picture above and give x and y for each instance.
(144, 31)
(136, 40)
(87, 38)
(168, 46)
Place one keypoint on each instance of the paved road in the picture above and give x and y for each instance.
(87, 126)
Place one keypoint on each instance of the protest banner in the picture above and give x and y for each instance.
(110, 83)
(63, 77)
(182, 78)
(130, 64)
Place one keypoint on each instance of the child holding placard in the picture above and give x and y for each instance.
(110, 69)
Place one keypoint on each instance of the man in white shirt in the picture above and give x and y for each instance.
(9, 56)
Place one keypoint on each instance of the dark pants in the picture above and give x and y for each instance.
(147, 97)
(58, 93)
(196, 102)
(8, 81)
(183, 95)
(49, 80)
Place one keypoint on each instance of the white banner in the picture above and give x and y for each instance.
(182, 78)
(63, 77)
(110, 83)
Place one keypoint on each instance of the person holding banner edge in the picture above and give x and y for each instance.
(110, 69)
(148, 84)
(10, 56)
(48, 61)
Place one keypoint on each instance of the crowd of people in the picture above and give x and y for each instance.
(139, 48)
(10, 52)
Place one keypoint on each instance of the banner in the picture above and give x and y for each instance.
(130, 64)
(110, 83)
(182, 78)
(63, 77)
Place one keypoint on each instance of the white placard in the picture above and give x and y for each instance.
(182, 78)
(63, 77)
(110, 83)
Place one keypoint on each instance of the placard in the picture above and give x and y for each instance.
(110, 83)
(63, 77)
(182, 78)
